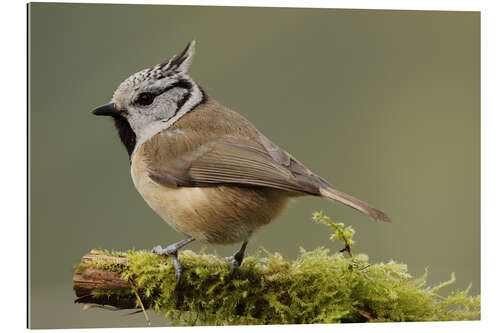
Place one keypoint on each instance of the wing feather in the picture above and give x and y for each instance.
(239, 160)
(230, 160)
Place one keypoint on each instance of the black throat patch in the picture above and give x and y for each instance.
(127, 135)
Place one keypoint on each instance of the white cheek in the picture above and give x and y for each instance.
(148, 122)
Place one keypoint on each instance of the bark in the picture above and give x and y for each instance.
(89, 279)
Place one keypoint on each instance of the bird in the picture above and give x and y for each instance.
(202, 167)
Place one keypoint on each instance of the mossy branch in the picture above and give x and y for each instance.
(317, 287)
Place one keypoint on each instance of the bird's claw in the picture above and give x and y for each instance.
(157, 250)
(168, 251)
(172, 253)
(234, 262)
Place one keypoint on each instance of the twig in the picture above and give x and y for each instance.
(148, 322)
(347, 248)
(365, 314)
(100, 306)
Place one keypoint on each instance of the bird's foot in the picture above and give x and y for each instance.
(236, 259)
(172, 252)
(234, 262)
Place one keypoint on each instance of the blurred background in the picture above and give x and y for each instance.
(385, 105)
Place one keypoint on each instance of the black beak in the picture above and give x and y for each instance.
(105, 110)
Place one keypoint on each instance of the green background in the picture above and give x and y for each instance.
(383, 104)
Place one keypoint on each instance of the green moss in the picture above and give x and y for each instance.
(317, 287)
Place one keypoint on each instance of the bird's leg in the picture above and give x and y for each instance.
(237, 258)
(172, 251)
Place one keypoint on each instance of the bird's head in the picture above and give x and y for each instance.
(152, 99)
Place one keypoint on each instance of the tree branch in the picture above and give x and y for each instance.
(315, 288)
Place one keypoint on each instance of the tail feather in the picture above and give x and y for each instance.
(346, 199)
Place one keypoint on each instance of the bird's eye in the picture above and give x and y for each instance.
(145, 98)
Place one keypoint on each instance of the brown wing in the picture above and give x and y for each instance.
(232, 152)
(236, 160)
